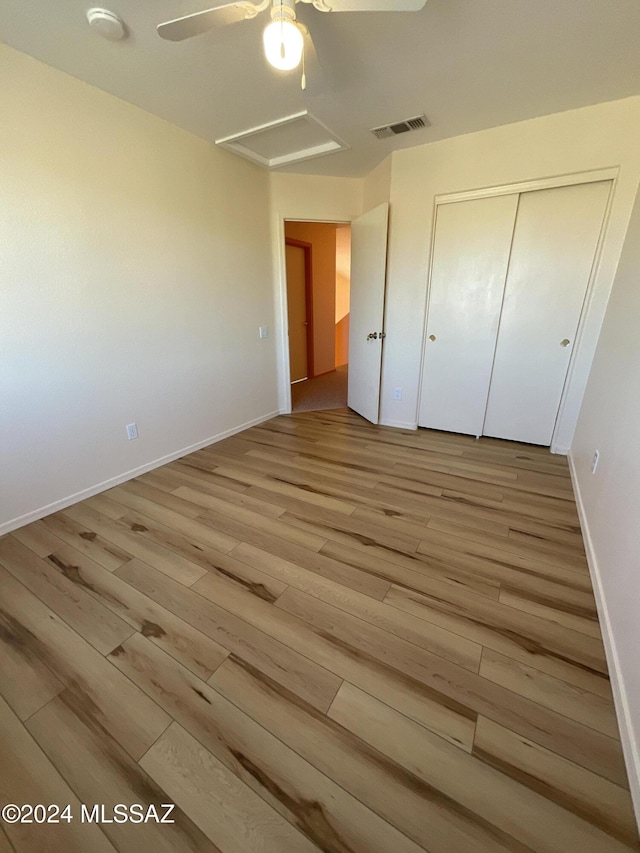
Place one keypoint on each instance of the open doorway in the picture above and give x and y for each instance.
(318, 258)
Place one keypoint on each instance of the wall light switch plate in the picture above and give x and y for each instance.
(132, 431)
(397, 393)
(263, 331)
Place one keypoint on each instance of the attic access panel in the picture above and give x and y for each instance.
(297, 137)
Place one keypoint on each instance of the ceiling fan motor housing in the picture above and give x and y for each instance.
(283, 10)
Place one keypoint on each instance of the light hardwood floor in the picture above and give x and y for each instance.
(316, 635)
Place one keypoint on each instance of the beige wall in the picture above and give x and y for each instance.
(303, 197)
(610, 499)
(135, 271)
(343, 288)
(342, 296)
(315, 197)
(592, 138)
(343, 270)
(323, 271)
(342, 341)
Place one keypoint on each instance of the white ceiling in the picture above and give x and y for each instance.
(467, 64)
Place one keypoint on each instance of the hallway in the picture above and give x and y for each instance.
(323, 392)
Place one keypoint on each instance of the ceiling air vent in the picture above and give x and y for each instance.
(404, 126)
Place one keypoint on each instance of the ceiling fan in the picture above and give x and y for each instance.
(284, 37)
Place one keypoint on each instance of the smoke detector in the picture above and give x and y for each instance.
(403, 126)
(107, 24)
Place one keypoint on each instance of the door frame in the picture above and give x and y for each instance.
(308, 296)
(589, 177)
(282, 314)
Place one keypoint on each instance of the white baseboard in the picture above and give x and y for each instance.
(400, 424)
(37, 514)
(623, 712)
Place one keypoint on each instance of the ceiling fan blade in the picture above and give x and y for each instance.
(368, 5)
(201, 22)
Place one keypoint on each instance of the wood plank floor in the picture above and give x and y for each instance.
(315, 635)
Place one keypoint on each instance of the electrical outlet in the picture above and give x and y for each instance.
(132, 431)
(594, 461)
(263, 331)
(397, 393)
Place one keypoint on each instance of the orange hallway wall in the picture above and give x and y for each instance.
(322, 237)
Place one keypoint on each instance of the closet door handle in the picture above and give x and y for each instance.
(565, 342)
(432, 337)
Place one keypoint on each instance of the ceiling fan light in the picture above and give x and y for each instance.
(283, 43)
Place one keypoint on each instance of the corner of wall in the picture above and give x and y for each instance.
(376, 187)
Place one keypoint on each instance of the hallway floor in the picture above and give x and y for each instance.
(324, 392)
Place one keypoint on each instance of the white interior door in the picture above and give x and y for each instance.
(368, 277)
(469, 268)
(554, 246)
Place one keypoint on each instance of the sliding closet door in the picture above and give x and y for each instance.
(554, 246)
(471, 254)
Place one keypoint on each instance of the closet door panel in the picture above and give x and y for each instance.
(554, 246)
(470, 258)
